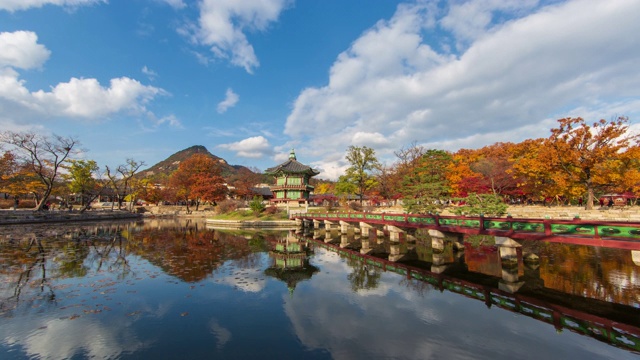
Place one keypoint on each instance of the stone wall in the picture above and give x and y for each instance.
(569, 212)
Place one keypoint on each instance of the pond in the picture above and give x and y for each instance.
(175, 288)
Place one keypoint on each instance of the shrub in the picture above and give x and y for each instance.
(355, 206)
(227, 206)
(271, 210)
(481, 204)
(256, 205)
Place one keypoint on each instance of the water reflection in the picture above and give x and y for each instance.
(169, 288)
(290, 261)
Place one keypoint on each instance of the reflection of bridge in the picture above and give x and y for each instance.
(580, 315)
(622, 235)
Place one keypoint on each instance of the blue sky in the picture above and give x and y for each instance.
(252, 79)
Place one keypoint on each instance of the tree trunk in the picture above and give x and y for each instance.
(590, 198)
(42, 201)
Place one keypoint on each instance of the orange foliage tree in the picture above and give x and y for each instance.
(588, 156)
(198, 179)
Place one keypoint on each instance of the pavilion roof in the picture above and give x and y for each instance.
(292, 166)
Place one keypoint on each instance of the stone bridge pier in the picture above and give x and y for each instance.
(441, 254)
(328, 225)
(512, 264)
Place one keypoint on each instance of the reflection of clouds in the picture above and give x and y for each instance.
(248, 278)
(400, 324)
(65, 338)
(222, 334)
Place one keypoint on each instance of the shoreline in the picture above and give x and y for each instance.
(27, 217)
(252, 224)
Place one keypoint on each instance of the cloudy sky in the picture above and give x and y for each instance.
(252, 79)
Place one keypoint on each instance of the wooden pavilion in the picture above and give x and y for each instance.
(291, 181)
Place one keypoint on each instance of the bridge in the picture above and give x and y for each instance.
(621, 235)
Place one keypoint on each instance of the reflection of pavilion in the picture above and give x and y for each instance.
(291, 261)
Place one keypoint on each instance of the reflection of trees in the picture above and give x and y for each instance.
(191, 252)
(420, 287)
(363, 277)
(44, 254)
(71, 260)
(598, 273)
(28, 270)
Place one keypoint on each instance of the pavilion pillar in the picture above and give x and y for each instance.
(635, 256)
(316, 224)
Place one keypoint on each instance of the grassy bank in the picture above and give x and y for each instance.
(250, 215)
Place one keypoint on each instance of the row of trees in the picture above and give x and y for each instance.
(38, 166)
(577, 161)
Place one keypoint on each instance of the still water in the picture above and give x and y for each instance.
(177, 289)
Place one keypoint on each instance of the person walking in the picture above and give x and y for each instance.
(16, 202)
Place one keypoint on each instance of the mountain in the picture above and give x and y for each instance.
(163, 169)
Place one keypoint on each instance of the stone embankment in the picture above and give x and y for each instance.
(614, 214)
(13, 217)
(626, 214)
(252, 224)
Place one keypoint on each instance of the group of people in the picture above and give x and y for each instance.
(609, 203)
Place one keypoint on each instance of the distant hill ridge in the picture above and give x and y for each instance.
(164, 168)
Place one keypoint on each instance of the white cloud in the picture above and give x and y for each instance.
(522, 67)
(78, 98)
(253, 147)
(176, 4)
(86, 98)
(15, 5)
(150, 73)
(471, 19)
(222, 25)
(20, 49)
(230, 100)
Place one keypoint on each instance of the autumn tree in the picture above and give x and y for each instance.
(244, 182)
(41, 156)
(426, 188)
(387, 183)
(580, 152)
(461, 178)
(198, 179)
(121, 178)
(363, 163)
(8, 166)
(495, 164)
(80, 179)
(149, 192)
(324, 188)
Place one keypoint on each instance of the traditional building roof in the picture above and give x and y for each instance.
(292, 166)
